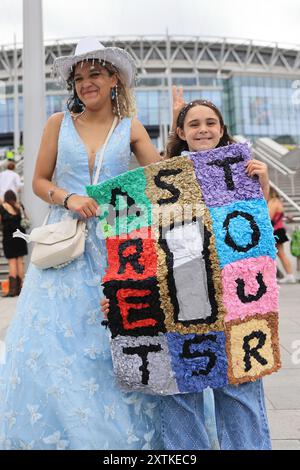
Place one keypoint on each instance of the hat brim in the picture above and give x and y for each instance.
(119, 58)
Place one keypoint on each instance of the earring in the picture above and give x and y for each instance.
(117, 101)
(113, 93)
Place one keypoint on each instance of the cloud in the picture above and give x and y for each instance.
(11, 21)
(271, 20)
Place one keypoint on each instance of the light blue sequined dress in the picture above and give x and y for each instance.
(57, 388)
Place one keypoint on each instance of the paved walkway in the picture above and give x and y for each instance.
(282, 389)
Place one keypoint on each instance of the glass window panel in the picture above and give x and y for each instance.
(141, 98)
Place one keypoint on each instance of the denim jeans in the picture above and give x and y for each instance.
(237, 421)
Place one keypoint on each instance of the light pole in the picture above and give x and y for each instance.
(33, 100)
(16, 99)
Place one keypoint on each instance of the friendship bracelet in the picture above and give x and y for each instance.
(65, 202)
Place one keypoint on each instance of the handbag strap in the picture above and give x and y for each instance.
(115, 121)
(22, 211)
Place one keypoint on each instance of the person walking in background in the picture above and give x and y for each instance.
(9, 179)
(14, 248)
(276, 211)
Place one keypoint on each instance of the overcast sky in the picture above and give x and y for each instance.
(269, 20)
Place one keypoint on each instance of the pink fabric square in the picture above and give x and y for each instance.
(249, 287)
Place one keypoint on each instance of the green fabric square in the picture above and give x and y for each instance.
(124, 204)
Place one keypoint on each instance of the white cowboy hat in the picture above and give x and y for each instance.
(91, 48)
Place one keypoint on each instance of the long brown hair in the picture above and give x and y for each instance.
(125, 96)
(11, 199)
(176, 145)
(273, 194)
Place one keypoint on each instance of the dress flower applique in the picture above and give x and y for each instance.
(40, 324)
(15, 379)
(135, 400)
(64, 368)
(68, 332)
(99, 231)
(31, 313)
(82, 414)
(107, 172)
(94, 281)
(65, 328)
(5, 443)
(26, 445)
(64, 169)
(20, 344)
(80, 264)
(106, 356)
(11, 418)
(149, 409)
(33, 360)
(34, 415)
(148, 440)
(109, 411)
(9, 348)
(91, 387)
(57, 392)
(55, 439)
(131, 437)
(94, 318)
(106, 446)
(92, 352)
(68, 292)
(51, 288)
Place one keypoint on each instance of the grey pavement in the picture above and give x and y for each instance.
(282, 388)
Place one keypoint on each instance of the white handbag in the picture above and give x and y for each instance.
(56, 245)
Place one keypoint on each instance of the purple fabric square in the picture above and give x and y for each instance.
(222, 176)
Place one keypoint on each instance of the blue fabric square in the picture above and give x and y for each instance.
(243, 230)
(199, 361)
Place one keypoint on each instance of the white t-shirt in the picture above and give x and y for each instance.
(9, 179)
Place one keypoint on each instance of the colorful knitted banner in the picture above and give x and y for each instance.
(191, 274)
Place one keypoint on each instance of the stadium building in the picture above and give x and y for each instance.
(256, 84)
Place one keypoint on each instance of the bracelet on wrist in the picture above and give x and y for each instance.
(65, 201)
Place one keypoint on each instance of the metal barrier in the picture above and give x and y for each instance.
(277, 167)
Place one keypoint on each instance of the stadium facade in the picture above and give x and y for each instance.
(256, 84)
